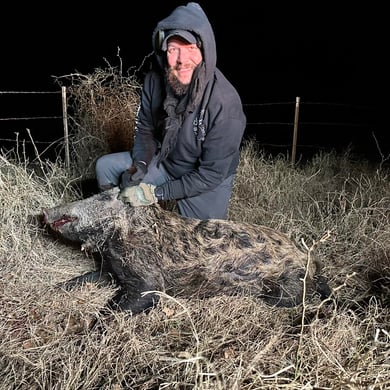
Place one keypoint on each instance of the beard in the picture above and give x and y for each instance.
(178, 88)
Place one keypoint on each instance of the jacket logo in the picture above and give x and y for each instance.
(199, 126)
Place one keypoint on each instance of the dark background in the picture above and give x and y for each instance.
(332, 56)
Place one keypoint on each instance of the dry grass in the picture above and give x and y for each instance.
(102, 108)
(331, 205)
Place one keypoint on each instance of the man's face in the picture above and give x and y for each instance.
(183, 58)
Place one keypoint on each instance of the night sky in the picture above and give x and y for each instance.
(321, 52)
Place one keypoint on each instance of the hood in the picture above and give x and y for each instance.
(190, 17)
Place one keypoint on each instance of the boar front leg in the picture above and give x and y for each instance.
(100, 278)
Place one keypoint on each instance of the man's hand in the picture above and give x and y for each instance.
(134, 175)
(141, 195)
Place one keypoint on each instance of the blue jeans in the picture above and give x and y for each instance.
(213, 204)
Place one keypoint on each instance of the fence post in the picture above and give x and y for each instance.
(65, 121)
(295, 135)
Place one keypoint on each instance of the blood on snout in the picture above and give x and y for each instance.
(58, 222)
(62, 221)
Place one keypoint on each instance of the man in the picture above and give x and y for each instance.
(189, 125)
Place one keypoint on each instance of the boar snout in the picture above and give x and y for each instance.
(58, 222)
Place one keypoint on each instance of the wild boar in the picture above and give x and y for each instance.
(151, 249)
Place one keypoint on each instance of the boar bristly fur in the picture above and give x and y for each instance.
(151, 249)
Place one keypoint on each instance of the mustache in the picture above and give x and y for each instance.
(181, 66)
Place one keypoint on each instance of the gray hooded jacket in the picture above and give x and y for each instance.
(212, 125)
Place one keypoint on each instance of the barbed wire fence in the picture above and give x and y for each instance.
(63, 117)
(291, 120)
(290, 111)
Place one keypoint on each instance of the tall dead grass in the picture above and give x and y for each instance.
(102, 108)
(333, 206)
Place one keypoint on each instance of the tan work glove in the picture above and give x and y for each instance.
(141, 195)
